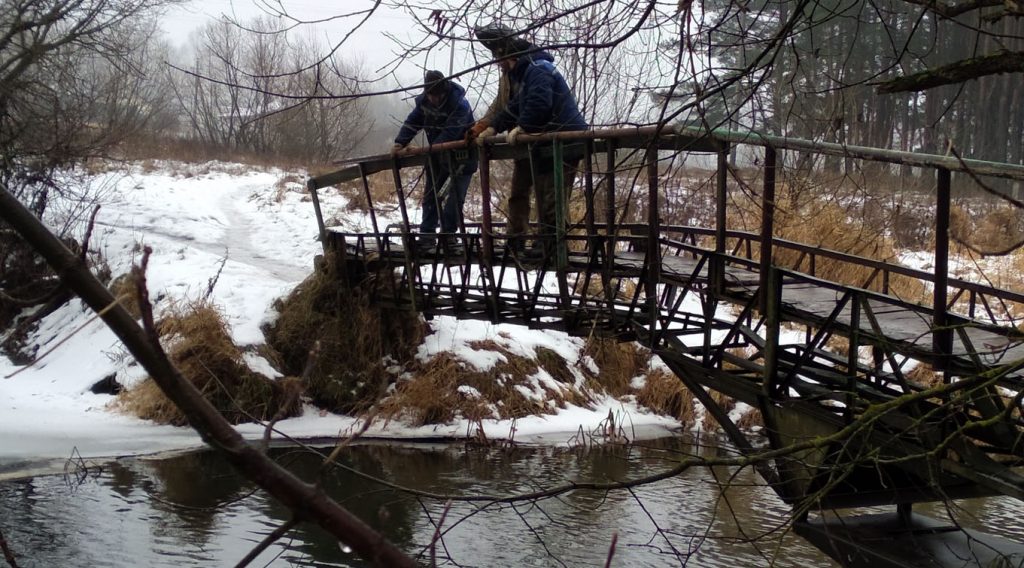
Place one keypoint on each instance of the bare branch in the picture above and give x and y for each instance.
(214, 429)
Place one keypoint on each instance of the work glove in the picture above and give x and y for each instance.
(397, 149)
(474, 131)
(486, 132)
(513, 134)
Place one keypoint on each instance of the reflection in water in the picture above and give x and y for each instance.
(194, 510)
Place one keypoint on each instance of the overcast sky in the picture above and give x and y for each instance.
(369, 43)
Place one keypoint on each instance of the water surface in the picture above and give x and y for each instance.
(193, 510)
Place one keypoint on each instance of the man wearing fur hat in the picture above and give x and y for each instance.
(533, 97)
(444, 114)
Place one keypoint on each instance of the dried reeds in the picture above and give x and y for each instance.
(803, 217)
(200, 347)
(617, 362)
(665, 394)
(382, 192)
(445, 388)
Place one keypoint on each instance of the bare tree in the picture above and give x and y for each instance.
(75, 80)
(41, 44)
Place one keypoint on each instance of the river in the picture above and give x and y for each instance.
(193, 510)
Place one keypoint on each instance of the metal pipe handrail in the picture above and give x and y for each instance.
(695, 135)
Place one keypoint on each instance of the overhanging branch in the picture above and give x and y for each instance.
(959, 72)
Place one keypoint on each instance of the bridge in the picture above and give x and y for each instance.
(750, 315)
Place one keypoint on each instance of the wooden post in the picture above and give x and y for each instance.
(942, 336)
(767, 220)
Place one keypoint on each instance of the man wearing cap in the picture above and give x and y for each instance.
(533, 98)
(444, 114)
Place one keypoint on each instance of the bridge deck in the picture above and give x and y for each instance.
(806, 300)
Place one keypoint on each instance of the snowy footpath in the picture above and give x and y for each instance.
(252, 232)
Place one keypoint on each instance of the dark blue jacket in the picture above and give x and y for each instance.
(446, 123)
(541, 100)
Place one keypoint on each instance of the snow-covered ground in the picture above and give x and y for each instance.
(252, 231)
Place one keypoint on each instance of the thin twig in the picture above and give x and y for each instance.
(266, 542)
(437, 533)
(88, 234)
(8, 554)
(611, 549)
(212, 282)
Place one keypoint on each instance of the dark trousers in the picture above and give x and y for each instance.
(527, 175)
(451, 209)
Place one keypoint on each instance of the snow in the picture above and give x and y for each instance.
(243, 236)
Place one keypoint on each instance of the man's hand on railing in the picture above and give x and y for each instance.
(478, 128)
(484, 134)
(513, 134)
(397, 150)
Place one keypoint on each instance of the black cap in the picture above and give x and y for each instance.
(515, 47)
(495, 37)
(434, 83)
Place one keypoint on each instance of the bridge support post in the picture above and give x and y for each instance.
(942, 335)
(767, 220)
(653, 276)
(772, 297)
(609, 257)
(319, 215)
(716, 269)
(407, 241)
(487, 235)
(561, 203)
(369, 206)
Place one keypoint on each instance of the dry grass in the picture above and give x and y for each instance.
(200, 347)
(622, 288)
(727, 404)
(924, 375)
(185, 150)
(286, 183)
(995, 231)
(804, 218)
(665, 394)
(382, 192)
(354, 340)
(555, 365)
(445, 388)
(618, 362)
(751, 419)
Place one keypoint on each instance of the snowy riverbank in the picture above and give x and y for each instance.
(252, 231)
